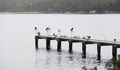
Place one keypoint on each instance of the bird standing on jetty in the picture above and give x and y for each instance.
(59, 32)
(35, 28)
(88, 37)
(48, 30)
(115, 40)
(36, 31)
(71, 30)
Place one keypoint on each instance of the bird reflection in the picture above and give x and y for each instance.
(59, 58)
(71, 58)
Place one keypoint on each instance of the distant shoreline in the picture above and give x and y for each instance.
(113, 12)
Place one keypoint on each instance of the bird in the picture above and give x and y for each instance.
(39, 33)
(48, 28)
(115, 39)
(71, 29)
(35, 28)
(88, 37)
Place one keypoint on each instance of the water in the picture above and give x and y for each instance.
(17, 50)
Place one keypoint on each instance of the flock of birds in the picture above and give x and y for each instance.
(59, 30)
(48, 29)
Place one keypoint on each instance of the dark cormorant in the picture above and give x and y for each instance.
(35, 28)
(39, 33)
(48, 28)
(71, 29)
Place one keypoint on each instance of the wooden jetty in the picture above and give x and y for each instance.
(84, 42)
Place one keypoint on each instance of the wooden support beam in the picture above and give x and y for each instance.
(114, 52)
(47, 44)
(58, 45)
(36, 42)
(118, 46)
(70, 47)
(83, 50)
(98, 52)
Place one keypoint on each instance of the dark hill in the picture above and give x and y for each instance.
(60, 6)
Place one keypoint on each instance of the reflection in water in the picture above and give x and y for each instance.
(70, 58)
(53, 60)
(59, 58)
(48, 59)
(91, 60)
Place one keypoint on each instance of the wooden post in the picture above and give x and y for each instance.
(36, 42)
(59, 45)
(83, 50)
(70, 47)
(114, 52)
(98, 52)
(47, 44)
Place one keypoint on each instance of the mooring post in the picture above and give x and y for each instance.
(36, 42)
(59, 45)
(70, 47)
(47, 44)
(83, 50)
(114, 52)
(98, 52)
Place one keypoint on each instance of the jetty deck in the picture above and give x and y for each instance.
(84, 41)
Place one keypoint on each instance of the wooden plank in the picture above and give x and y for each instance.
(91, 41)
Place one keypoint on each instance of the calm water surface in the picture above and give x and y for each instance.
(17, 50)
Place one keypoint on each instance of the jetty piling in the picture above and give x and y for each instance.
(47, 44)
(70, 47)
(36, 42)
(98, 52)
(114, 52)
(58, 45)
(83, 50)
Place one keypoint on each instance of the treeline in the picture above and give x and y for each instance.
(60, 6)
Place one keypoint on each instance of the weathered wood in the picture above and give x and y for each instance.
(118, 46)
(84, 42)
(91, 41)
(36, 43)
(98, 52)
(59, 45)
(70, 47)
(83, 50)
(47, 44)
(114, 52)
